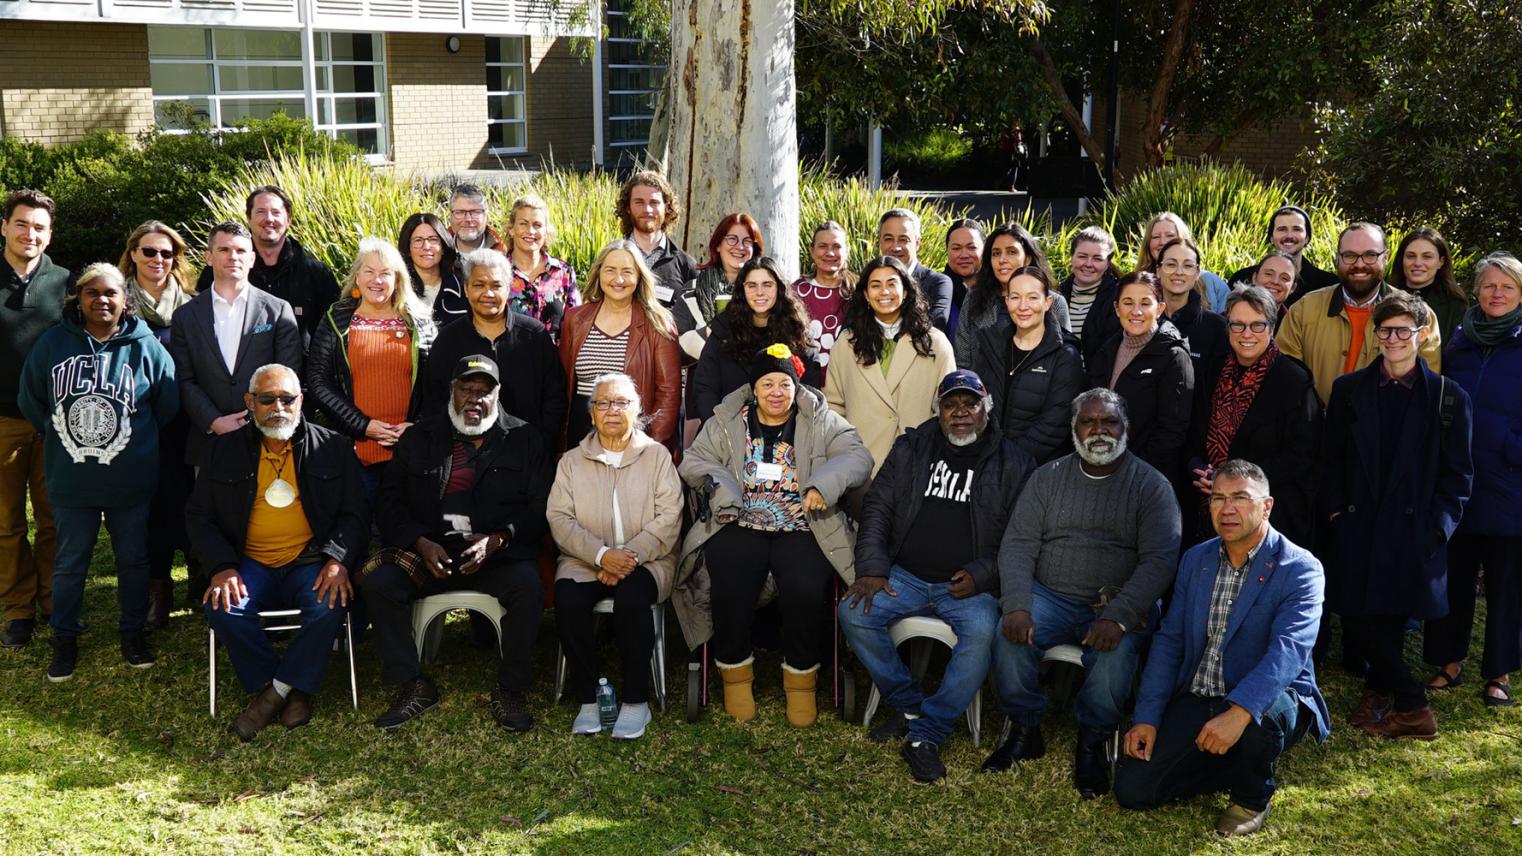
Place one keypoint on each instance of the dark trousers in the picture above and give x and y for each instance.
(166, 516)
(633, 627)
(305, 660)
(1381, 640)
(1179, 769)
(1447, 639)
(738, 560)
(514, 583)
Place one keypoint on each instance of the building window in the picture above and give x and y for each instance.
(506, 102)
(220, 77)
(634, 81)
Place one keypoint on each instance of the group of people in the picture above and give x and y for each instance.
(1152, 465)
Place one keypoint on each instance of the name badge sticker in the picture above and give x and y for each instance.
(769, 472)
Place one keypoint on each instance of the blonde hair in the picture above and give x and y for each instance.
(179, 272)
(404, 300)
(644, 293)
(1144, 259)
(1502, 261)
(532, 200)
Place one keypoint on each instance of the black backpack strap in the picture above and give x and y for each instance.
(1447, 403)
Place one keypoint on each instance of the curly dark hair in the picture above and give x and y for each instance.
(867, 334)
(788, 321)
(988, 290)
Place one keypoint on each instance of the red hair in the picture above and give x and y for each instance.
(717, 240)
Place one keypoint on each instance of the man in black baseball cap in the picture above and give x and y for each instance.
(461, 507)
(930, 530)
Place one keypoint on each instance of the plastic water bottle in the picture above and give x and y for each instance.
(607, 704)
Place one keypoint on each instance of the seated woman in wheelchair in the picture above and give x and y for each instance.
(616, 513)
(770, 467)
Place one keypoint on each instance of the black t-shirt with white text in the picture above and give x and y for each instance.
(939, 541)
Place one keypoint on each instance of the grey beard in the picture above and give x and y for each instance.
(469, 237)
(1099, 459)
(465, 429)
(280, 433)
(963, 441)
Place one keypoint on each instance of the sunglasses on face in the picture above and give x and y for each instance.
(268, 399)
(150, 252)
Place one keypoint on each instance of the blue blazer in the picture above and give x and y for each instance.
(1268, 639)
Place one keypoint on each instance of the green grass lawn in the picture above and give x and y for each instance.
(126, 761)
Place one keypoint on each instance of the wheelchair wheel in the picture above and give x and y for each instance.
(694, 692)
(848, 695)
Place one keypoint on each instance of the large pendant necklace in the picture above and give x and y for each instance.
(280, 493)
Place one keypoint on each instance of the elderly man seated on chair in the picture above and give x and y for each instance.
(929, 535)
(278, 517)
(1092, 545)
(1229, 685)
(461, 507)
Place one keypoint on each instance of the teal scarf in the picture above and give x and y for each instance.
(1488, 331)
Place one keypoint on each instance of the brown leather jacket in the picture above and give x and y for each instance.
(653, 360)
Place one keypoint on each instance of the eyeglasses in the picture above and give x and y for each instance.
(267, 399)
(1367, 258)
(617, 405)
(469, 213)
(737, 241)
(427, 242)
(150, 252)
(1240, 327)
(1401, 333)
(1236, 500)
(1174, 267)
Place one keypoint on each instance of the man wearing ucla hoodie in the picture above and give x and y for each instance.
(99, 387)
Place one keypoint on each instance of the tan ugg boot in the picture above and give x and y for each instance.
(739, 701)
(801, 709)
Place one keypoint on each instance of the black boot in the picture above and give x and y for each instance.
(160, 603)
(1024, 743)
(412, 699)
(18, 633)
(1091, 767)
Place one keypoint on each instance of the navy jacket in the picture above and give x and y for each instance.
(1269, 636)
(898, 492)
(1494, 384)
(1387, 544)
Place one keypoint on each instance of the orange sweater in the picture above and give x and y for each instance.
(380, 360)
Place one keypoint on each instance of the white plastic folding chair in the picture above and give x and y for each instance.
(919, 631)
(428, 612)
(1073, 656)
(657, 656)
(288, 620)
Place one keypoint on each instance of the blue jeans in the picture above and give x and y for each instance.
(1107, 675)
(249, 647)
(1179, 770)
(78, 529)
(975, 620)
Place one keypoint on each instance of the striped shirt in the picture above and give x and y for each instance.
(1078, 308)
(600, 354)
(1210, 678)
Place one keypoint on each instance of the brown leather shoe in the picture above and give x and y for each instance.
(1419, 723)
(298, 709)
(261, 711)
(1371, 709)
(160, 603)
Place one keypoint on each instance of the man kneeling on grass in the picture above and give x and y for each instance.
(278, 516)
(1229, 685)
(928, 543)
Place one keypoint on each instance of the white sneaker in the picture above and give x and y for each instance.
(632, 719)
(587, 720)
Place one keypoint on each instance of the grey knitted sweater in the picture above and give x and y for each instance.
(1077, 534)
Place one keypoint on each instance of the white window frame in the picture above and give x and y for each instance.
(522, 65)
(325, 97)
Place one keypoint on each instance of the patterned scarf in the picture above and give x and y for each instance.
(1233, 395)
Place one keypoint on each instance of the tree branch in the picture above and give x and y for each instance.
(1157, 99)
(1070, 112)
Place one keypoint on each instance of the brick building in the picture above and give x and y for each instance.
(419, 84)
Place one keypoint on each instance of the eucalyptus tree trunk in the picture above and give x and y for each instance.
(729, 122)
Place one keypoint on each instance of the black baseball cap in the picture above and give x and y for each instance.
(475, 364)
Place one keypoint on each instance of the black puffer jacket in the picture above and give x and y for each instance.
(327, 474)
(1032, 400)
(898, 492)
(1158, 387)
(1203, 332)
(330, 378)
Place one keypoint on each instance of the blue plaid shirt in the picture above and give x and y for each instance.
(1210, 678)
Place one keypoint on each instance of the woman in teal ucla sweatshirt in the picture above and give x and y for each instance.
(99, 386)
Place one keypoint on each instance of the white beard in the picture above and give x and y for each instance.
(488, 419)
(281, 433)
(1108, 451)
(963, 441)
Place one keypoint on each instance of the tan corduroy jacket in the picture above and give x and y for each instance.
(1316, 331)
(649, 501)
